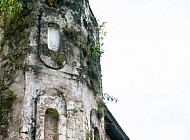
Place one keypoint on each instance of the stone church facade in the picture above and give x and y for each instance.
(57, 94)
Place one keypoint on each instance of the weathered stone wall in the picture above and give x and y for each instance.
(63, 79)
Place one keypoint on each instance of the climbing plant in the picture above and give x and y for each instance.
(96, 48)
(94, 57)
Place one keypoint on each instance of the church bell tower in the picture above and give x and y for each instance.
(57, 91)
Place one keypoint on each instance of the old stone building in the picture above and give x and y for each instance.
(50, 83)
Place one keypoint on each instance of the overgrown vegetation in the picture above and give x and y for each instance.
(93, 135)
(91, 50)
(100, 112)
(7, 98)
(10, 10)
(94, 58)
(74, 36)
(108, 98)
(52, 112)
(89, 136)
(58, 57)
(96, 134)
(96, 48)
(14, 19)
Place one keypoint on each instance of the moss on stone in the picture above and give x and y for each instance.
(52, 112)
(100, 112)
(7, 98)
(58, 58)
(89, 136)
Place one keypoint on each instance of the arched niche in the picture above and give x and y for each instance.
(51, 112)
(53, 37)
(96, 134)
(51, 124)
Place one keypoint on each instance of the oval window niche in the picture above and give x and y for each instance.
(53, 37)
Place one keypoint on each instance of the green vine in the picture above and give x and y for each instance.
(94, 57)
(96, 48)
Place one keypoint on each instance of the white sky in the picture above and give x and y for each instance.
(147, 66)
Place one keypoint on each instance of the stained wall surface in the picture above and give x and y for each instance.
(58, 92)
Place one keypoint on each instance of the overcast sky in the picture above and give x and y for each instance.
(146, 65)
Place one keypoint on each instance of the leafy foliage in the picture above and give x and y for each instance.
(89, 136)
(96, 48)
(100, 112)
(13, 47)
(7, 98)
(108, 97)
(9, 10)
(58, 57)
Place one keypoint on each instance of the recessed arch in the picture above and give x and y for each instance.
(51, 104)
(96, 134)
(51, 124)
